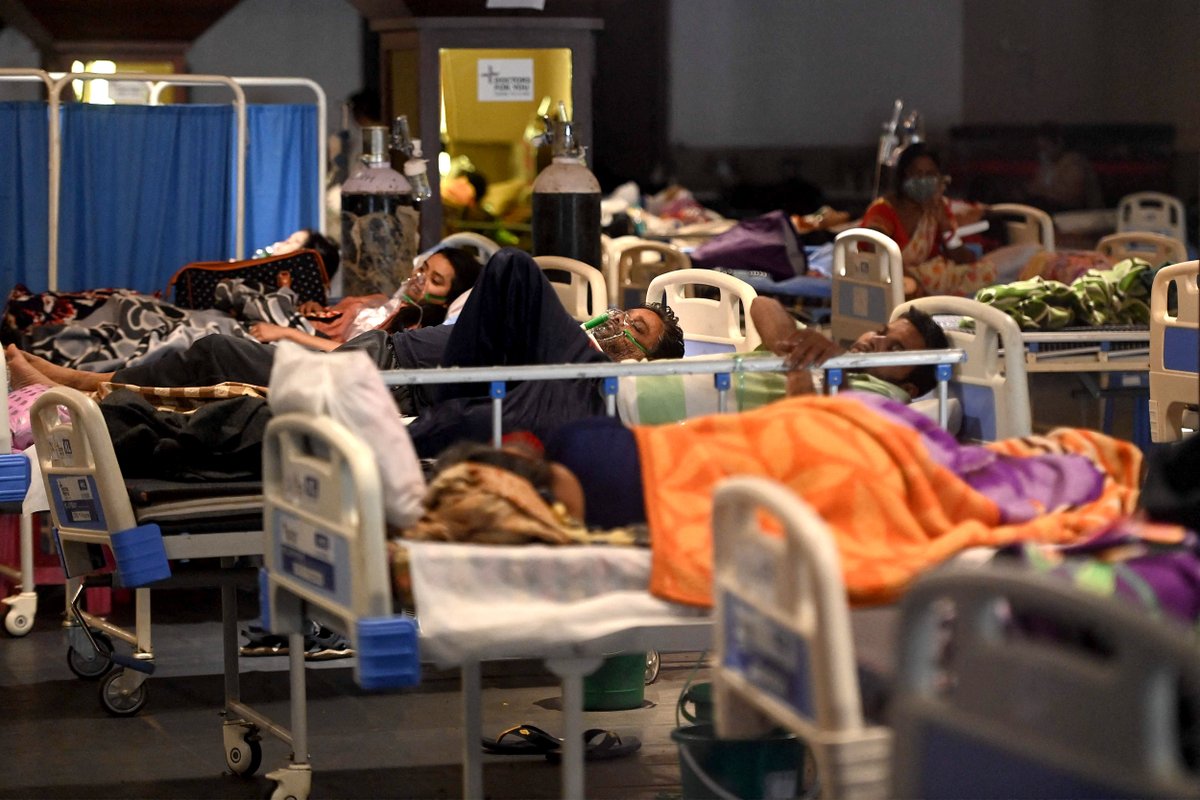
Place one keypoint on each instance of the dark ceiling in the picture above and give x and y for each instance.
(51, 24)
(63, 21)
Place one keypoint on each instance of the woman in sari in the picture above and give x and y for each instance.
(916, 214)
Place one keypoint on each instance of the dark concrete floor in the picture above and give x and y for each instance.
(60, 743)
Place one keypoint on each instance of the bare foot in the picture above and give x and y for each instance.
(58, 374)
(20, 372)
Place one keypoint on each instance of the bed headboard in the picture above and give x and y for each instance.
(325, 550)
(710, 326)
(584, 294)
(1174, 352)
(867, 283)
(1025, 224)
(991, 387)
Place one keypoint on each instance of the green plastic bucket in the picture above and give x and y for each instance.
(619, 684)
(771, 766)
(696, 703)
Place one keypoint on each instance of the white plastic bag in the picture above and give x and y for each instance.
(346, 387)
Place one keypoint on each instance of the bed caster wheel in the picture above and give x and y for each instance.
(124, 692)
(18, 621)
(244, 759)
(652, 666)
(293, 782)
(88, 663)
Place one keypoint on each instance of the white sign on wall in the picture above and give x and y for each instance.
(505, 79)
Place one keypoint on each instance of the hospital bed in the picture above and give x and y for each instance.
(868, 282)
(1155, 248)
(634, 265)
(146, 524)
(151, 529)
(1025, 224)
(477, 244)
(1174, 353)
(983, 705)
(990, 386)
(464, 616)
(987, 395)
(21, 607)
(868, 269)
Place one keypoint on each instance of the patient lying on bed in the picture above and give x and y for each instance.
(806, 348)
(899, 494)
(512, 316)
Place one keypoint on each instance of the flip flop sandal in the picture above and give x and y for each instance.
(601, 745)
(520, 740)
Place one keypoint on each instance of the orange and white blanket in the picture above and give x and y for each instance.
(893, 509)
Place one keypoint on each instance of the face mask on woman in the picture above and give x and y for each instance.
(923, 188)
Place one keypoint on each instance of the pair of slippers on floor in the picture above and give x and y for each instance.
(598, 744)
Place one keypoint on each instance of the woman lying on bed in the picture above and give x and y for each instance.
(423, 300)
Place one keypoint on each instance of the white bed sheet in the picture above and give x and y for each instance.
(482, 602)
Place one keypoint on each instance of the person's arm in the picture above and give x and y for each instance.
(801, 348)
(267, 332)
(947, 228)
(881, 216)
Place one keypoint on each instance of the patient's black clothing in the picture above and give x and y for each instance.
(208, 361)
(512, 317)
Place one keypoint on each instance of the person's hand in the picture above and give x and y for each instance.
(961, 255)
(807, 348)
(311, 307)
(268, 332)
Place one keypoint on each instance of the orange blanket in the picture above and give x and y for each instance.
(893, 510)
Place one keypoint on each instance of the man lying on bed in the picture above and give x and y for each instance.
(804, 348)
(512, 316)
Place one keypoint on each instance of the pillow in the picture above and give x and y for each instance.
(655, 399)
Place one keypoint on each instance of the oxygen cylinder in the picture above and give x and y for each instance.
(566, 199)
(380, 224)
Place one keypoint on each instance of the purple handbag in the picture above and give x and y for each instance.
(767, 244)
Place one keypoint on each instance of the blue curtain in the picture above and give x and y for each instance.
(148, 189)
(140, 194)
(24, 195)
(281, 172)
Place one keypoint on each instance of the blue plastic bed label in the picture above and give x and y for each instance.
(316, 558)
(767, 654)
(77, 501)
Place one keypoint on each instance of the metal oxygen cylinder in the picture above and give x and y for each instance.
(380, 223)
(566, 198)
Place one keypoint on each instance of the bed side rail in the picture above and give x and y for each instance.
(722, 368)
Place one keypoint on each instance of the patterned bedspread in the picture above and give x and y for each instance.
(105, 329)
